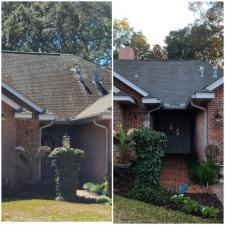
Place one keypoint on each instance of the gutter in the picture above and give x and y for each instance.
(205, 115)
(106, 145)
(152, 110)
(40, 134)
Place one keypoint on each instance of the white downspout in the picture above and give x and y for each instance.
(205, 115)
(106, 145)
(40, 134)
(152, 110)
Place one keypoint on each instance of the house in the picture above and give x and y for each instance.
(46, 96)
(182, 98)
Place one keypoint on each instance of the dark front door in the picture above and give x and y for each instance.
(177, 130)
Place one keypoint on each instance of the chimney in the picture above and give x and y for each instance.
(126, 53)
(214, 71)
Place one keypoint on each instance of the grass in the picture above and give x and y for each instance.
(131, 211)
(50, 210)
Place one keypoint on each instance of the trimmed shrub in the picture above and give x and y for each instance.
(209, 212)
(67, 163)
(150, 147)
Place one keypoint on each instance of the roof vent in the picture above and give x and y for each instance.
(136, 75)
(201, 71)
(98, 83)
(214, 71)
(78, 71)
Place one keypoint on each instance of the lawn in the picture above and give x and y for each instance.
(50, 210)
(131, 211)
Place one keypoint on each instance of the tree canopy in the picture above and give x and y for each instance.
(202, 40)
(80, 28)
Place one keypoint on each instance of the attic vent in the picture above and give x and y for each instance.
(78, 71)
(201, 71)
(214, 71)
(98, 83)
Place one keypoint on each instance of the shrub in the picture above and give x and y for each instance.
(209, 212)
(207, 172)
(190, 206)
(150, 148)
(67, 162)
(179, 199)
(103, 199)
(102, 189)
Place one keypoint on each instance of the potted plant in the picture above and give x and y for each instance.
(122, 142)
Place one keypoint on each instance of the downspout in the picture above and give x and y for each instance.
(205, 115)
(152, 110)
(40, 135)
(106, 145)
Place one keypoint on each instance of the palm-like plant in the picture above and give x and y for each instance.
(32, 156)
(122, 143)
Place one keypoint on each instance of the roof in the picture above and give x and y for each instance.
(102, 105)
(170, 81)
(46, 79)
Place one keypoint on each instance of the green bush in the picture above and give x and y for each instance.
(209, 212)
(207, 172)
(103, 199)
(190, 206)
(102, 189)
(67, 163)
(150, 147)
(179, 199)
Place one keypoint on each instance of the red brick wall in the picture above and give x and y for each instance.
(133, 115)
(215, 134)
(8, 145)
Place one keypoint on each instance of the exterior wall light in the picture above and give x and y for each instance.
(66, 141)
(218, 119)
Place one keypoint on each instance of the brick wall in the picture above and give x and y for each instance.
(27, 135)
(133, 115)
(8, 145)
(215, 133)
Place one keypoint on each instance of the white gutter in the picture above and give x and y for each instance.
(40, 134)
(123, 99)
(11, 103)
(106, 145)
(205, 115)
(151, 100)
(152, 110)
(215, 84)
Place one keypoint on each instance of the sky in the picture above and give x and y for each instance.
(155, 18)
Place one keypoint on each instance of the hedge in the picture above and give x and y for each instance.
(67, 164)
(150, 148)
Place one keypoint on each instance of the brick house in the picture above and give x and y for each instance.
(42, 100)
(183, 98)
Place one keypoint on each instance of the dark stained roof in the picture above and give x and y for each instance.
(47, 80)
(171, 81)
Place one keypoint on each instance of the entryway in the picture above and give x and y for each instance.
(175, 173)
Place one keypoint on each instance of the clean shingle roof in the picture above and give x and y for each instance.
(47, 80)
(171, 81)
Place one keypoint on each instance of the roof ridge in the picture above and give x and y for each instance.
(30, 53)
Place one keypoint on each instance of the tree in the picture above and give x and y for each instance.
(202, 40)
(80, 28)
(158, 53)
(122, 34)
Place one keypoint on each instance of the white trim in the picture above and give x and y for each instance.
(46, 117)
(203, 96)
(106, 115)
(151, 100)
(11, 103)
(20, 148)
(23, 115)
(130, 84)
(123, 99)
(116, 90)
(22, 97)
(174, 106)
(215, 84)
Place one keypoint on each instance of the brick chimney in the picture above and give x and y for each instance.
(126, 53)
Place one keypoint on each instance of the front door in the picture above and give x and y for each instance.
(177, 130)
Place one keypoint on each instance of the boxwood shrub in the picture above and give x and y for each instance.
(150, 148)
(67, 164)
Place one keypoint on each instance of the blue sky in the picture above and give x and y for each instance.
(155, 18)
